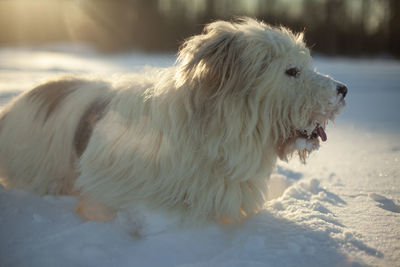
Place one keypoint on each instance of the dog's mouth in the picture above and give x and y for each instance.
(304, 141)
(318, 131)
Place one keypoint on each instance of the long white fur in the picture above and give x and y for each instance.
(200, 138)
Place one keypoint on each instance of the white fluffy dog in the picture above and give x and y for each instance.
(199, 139)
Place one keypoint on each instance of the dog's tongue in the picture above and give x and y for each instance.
(321, 133)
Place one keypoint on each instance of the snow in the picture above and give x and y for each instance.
(305, 144)
(340, 209)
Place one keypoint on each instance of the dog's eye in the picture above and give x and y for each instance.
(292, 72)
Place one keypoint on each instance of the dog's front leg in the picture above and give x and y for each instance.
(91, 210)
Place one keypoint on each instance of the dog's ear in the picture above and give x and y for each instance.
(212, 61)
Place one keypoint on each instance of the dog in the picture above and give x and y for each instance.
(198, 139)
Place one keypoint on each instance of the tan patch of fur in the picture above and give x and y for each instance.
(52, 94)
(87, 123)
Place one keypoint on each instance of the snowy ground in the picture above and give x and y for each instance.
(340, 209)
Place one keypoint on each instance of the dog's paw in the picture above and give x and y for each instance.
(140, 222)
(91, 210)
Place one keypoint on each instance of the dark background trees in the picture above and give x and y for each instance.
(334, 27)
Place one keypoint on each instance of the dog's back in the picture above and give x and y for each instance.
(44, 130)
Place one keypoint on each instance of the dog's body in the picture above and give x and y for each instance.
(200, 138)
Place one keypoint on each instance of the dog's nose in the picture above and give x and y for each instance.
(341, 89)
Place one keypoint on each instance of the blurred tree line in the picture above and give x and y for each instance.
(344, 27)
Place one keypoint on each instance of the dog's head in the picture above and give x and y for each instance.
(259, 80)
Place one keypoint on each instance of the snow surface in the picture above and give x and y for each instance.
(340, 209)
